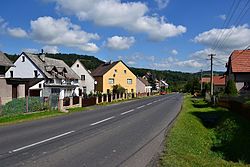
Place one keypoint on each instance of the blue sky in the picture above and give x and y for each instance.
(157, 34)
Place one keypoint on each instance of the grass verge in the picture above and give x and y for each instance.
(206, 136)
(4, 120)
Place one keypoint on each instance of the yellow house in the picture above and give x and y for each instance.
(114, 73)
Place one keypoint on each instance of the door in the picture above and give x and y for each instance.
(14, 91)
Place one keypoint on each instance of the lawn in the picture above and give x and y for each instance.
(206, 136)
(28, 117)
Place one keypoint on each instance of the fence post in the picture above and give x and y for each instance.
(80, 101)
(96, 98)
(27, 103)
(102, 99)
(70, 101)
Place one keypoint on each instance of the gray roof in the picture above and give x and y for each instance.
(4, 61)
(144, 81)
(49, 64)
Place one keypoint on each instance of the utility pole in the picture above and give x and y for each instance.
(212, 78)
(201, 81)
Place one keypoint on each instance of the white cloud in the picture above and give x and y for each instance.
(30, 50)
(62, 32)
(120, 43)
(222, 17)
(162, 3)
(128, 15)
(50, 49)
(3, 25)
(235, 37)
(17, 32)
(189, 63)
(174, 52)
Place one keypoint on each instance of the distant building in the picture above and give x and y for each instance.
(142, 85)
(219, 82)
(46, 75)
(86, 81)
(160, 84)
(238, 69)
(114, 73)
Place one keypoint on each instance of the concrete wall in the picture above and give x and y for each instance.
(21, 90)
(5, 91)
(119, 78)
(89, 80)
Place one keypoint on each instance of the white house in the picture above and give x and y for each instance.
(86, 81)
(142, 85)
(48, 76)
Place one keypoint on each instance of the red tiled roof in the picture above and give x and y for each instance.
(240, 61)
(218, 80)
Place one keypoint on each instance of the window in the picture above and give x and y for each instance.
(111, 81)
(23, 59)
(40, 85)
(77, 65)
(129, 81)
(115, 70)
(84, 88)
(83, 77)
(55, 90)
(108, 91)
(11, 74)
(35, 73)
(125, 71)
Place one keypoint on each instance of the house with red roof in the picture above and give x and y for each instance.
(219, 82)
(238, 69)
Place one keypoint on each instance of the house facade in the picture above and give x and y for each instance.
(5, 88)
(142, 85)
(238, 70)
(46, 76)
(114, 73)
(86, 81)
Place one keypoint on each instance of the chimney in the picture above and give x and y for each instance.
(42, 56)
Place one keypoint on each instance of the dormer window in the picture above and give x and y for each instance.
(35, 73)
(77, 65)
(23, 59)
(11, 74)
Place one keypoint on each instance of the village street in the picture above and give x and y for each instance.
(125, 134)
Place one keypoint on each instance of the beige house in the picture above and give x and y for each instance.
(114, 73)
(9, 89)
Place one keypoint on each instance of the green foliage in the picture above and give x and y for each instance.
(192, 86)
(207, 136)
(118, 89)
(206, 88)
(18, 106)
(231, 88)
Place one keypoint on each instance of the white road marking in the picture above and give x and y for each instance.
(102, 121)
(140, 106)
(40, 142)
(127, 112)
(149, 104)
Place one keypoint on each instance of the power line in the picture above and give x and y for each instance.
(237, 21)
(227, 22)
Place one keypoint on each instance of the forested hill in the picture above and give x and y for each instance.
(91, 62)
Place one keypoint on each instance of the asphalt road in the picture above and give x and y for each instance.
(125, 134)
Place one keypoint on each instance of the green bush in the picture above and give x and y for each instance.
(18, 106)
(231, 88)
